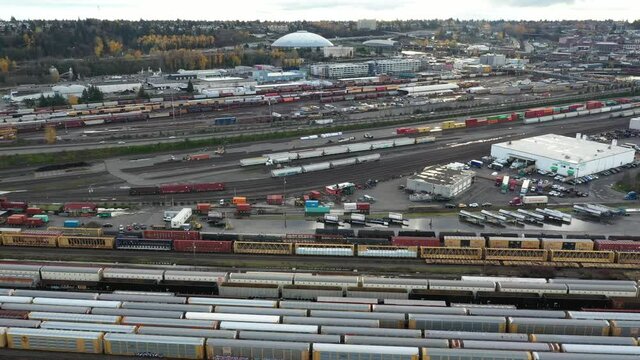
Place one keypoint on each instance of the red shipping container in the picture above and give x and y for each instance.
(203, 246)
(315, 195)
(34, 222)
(530, 114)
(174, 189)
(33, 211)
(16, 219)
(481, 122)
(203, 208)
(617, 245)
(171, 234)
(243, 207)
(471, 122)
(547, 111)
(575, 107)
(275, 199)
(415, 241)
(363, 206)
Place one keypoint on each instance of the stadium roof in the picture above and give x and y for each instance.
(301, 39)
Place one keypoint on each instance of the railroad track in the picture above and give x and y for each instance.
(400, 161)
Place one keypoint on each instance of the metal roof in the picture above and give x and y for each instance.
(301, 39)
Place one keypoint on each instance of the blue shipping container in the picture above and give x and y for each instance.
(72, 223)
(311, 203)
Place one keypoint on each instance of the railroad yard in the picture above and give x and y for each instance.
(473, 213)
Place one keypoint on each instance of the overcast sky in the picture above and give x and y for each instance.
(321, 9)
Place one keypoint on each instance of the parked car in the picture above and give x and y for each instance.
(474, 205)
(487, 204)
(107, 225)
(450, 206)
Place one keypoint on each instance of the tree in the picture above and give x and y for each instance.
(4, 64)
(98, 48)
(190, 87)
(115, 47)
(142, 94)
(91, 94)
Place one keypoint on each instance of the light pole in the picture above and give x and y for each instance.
(284, 202)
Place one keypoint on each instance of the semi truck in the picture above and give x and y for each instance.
(505, 185)
(529, 200)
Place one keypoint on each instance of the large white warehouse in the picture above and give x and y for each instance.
(565, 155)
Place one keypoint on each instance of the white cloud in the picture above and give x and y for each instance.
(311, 10)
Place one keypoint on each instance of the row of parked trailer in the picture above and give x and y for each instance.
(287, 157)
(173, 326)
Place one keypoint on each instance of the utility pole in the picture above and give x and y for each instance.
(284, 202)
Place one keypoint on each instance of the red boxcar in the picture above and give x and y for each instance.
(14, 205)
(14, 314)
(575, 107)
(203, 246)
(202, 187)
(415, 241)
(617, 245)
(471, 122)
(594, 104)
(171, 234)
(174, 189)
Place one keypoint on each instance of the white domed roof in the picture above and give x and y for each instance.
(301, 39)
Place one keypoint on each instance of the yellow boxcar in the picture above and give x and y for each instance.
(85, 242)
(30, 240)
(265, 248)
(514, 243)
(464, 241)
(567, 244)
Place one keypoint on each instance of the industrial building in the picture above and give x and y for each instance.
(493, 60)
(395, 66)
(337, 71)
(441, 180)
(264, 76)
(565, 155)
(302, 39)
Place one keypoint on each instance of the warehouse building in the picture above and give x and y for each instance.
(565, 155)
(441, 180)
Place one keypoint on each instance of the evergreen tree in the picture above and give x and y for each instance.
(190, 87)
